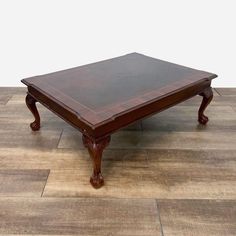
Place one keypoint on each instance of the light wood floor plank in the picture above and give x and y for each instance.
(198, 217)
(169, 174)
(4, 99)
(18, 109)
(217, 101)
(184, 118)
(28, 183)
(159, 140)
(88, 217)
(226, 91)
(42, 139)
(17, 99)
(19, 158)
(193, 174)
(13, 90)
(38, 158)
(215, 92)
(167, 156)
(186, 140)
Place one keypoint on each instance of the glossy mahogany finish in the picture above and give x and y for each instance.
(102, 97)
(207, 95)
(30, 102)
(95, 148)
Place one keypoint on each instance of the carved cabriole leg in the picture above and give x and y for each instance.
(30, 102)
(95, 148)
(207, 95)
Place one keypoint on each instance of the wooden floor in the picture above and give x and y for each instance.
(164, 176)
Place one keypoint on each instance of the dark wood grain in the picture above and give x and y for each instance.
(207, 96)
(103, 97)
(30, 102)
(128, 96)
(22, 182)
(198, 217)
(95, 148)
(70, 216)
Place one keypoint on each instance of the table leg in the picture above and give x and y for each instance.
(95, 148)
(30, 102)
(207, 95)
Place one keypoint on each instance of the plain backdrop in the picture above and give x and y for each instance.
(42, 36)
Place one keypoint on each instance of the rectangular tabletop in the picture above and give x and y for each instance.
(98, 93)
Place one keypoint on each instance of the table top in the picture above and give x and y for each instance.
(100, 91)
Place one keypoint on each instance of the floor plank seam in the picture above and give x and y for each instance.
(45, 184)
(192, 186)
(141, 124)
(159, 217)
(234, 108)
(217, 91)
(59, 138)
(8, 100)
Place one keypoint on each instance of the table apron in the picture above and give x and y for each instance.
(121, 120)
(152, 108)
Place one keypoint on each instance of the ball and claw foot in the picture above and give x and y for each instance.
(30, 102)
(97, 181)
(207, 95)
(95, 148)
(35, 126)
(203, 119)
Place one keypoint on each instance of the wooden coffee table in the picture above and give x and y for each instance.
(100, 98)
